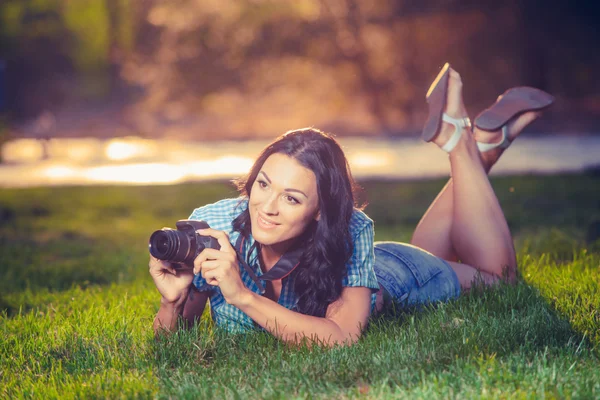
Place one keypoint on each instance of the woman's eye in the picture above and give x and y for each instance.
(291, 200)
(262, 184)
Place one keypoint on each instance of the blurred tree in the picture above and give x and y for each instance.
(61, 49)
(116, 18)
(35, 45)
(246, 67)
(349, 40)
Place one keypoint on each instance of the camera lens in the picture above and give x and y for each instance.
(163, 244)
(170, 245)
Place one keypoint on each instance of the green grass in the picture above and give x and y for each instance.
(78, 306)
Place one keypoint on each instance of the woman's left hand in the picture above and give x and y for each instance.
(220, 267)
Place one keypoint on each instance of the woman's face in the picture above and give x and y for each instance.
(283, 201)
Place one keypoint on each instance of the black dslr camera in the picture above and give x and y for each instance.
(181, 246)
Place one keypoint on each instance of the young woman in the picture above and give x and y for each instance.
(298, 259)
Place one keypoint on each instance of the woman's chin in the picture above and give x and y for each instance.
(264, 238)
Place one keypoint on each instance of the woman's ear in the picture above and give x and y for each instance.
(318, 216)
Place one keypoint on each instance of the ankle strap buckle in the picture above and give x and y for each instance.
(465, 122)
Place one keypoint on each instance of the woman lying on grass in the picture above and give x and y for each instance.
(297, 213)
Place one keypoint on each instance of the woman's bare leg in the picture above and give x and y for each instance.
(434, 228)
(466, 221)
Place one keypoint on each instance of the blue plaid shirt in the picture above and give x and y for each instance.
(220, 216)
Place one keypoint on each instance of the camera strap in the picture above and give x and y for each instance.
(286, 264)
(282, 268)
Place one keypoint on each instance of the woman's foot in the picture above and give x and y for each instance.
(454, 109)
(513, 130)
(448, 121)
(501, 123)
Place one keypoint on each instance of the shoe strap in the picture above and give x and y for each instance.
(459, 125)
(503, 143)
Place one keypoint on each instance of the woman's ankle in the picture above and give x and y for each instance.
(466, 147)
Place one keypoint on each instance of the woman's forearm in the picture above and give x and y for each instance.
(166, 319)
(292, 326)
(190, 307)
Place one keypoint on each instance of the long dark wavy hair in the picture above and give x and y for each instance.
(328, 244)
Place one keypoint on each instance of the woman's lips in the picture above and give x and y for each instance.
(265, 224)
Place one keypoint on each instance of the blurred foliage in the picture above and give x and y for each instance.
(57, 50)
(4, 132)
(248, 67)
(88, 23)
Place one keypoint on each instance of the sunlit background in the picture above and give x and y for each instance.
(166, 91)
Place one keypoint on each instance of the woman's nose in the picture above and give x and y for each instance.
(270, 205)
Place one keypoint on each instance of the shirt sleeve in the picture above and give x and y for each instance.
(219, 215)
(360, 270)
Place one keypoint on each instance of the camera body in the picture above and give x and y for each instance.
(182, 245)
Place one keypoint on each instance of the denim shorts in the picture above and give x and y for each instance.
(410, 275)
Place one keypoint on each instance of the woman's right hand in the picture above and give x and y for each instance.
(172, 283)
